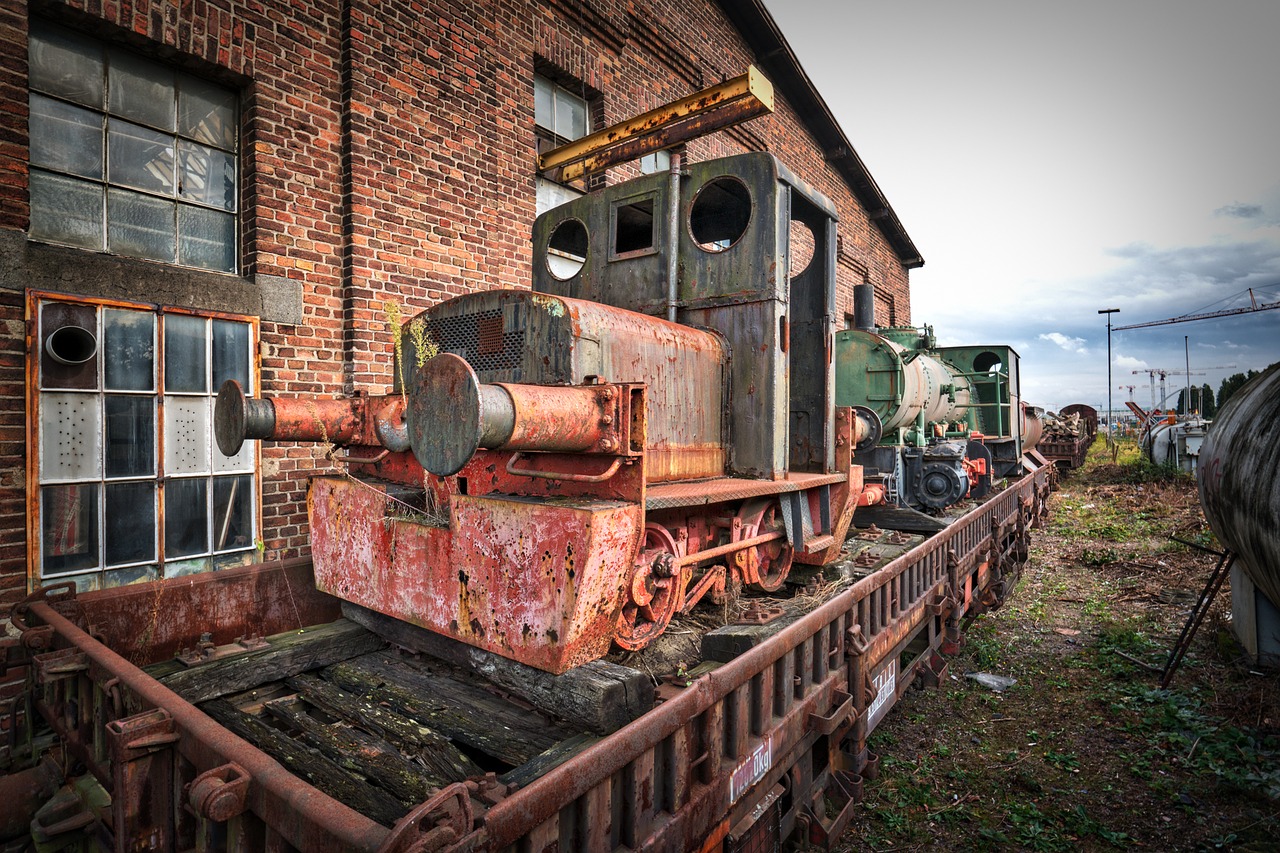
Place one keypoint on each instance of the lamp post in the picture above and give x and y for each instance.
(1110, 425)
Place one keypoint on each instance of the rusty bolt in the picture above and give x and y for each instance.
(606, 444)
(606, 419)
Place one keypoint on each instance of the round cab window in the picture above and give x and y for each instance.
(567, 249)
(720, 214)
(988, 362)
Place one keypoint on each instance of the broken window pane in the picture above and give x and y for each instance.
(139, 225)
(68, 528)
(140, 158)
(184, 353)
(129, 350)
(186, 517)
(130, 436)
(633, 227)
(65, 64)
(232, 513)
(130, 511)
(67, 211)
(70, 436)
(65, 138)
(207, 176)
(186, 435)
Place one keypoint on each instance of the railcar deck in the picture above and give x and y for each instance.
(333, 737)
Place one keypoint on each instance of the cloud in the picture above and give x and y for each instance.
(1075, 345)
(1237, 210)
(1128, 362)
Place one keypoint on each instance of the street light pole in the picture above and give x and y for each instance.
(1111, 427)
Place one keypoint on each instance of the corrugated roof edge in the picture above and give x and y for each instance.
(775, 56)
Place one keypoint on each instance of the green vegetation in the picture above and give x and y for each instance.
(1085, 752)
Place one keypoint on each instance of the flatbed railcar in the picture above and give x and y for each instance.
(770, 742)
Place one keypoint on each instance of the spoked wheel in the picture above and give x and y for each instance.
(655, 592)
(764, 567)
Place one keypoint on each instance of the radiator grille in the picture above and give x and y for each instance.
(483, 339)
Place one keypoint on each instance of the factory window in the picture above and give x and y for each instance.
(559, 116)
(129, 156)
(130, 485)
(658, 161)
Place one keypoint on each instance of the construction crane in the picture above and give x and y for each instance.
(1130, 387)
(1162, 373)
(1187, 318)
(1154, 371)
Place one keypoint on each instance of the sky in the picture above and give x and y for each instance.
(1053, 159)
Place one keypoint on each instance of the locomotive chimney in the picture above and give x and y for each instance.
(864, 307)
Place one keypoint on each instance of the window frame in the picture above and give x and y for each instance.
(549, 191)
(159, 565)
(182, 208)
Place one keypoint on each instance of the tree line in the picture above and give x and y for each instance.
(1203, 399)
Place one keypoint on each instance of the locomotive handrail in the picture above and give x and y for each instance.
(556, 475)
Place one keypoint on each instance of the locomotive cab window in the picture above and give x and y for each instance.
(567, 249)
(988, 362)
(720, 214)
(631, 228)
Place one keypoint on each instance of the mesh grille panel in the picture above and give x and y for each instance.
(482, 338)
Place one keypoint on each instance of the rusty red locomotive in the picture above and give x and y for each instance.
(652, 424)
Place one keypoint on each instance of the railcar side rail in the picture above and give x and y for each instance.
(771, 742)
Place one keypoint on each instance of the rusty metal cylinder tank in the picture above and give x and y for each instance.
(1032, 426)
(1240, 479)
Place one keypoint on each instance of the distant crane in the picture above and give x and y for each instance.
(1130, 387)
(1162, 373)
(1187, 318)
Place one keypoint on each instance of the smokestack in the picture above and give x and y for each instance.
(864, 307)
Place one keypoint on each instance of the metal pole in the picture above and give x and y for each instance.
(1186, 352)
(1110, 424)
(673, 221)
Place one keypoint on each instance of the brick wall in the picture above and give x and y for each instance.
(387, 156)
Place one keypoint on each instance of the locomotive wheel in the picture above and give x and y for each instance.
(772, 560)
(655, 592)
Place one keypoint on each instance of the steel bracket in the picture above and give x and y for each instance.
(843, 710)
(219, 794)
(441, 821)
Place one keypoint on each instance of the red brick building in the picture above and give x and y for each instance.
(218, 188)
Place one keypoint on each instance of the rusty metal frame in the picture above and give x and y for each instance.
(723, 105)
(778, 728)
(32, 356)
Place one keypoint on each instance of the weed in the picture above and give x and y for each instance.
(1063, 760)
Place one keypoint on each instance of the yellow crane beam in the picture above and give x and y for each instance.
(732, 102)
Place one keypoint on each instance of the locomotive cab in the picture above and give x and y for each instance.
(748, 251)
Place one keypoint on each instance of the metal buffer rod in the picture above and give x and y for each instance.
(355, 420)
(451, 416)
